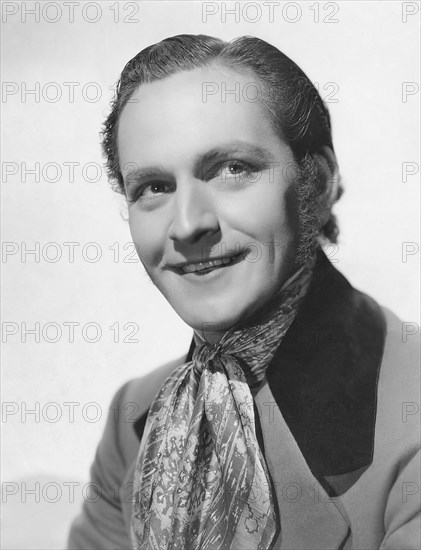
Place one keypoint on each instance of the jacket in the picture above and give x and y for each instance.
(338, 421)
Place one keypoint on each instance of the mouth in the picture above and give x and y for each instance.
(202, 268)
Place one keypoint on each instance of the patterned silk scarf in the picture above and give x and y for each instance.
(201, 481)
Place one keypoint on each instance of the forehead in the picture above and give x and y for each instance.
(193, 110)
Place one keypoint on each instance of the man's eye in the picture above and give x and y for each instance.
(155, 188)
(235, 168)
(150, 190)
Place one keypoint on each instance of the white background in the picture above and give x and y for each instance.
(369, 53)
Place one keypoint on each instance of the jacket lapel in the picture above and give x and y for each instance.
(308, 517)
(324, 373)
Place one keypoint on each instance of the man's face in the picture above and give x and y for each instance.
(207, 179)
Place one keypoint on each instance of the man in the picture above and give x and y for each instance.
(334, 403)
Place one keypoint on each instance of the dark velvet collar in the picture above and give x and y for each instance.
(324, 373)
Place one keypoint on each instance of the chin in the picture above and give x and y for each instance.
(213, 321)
(219, 315)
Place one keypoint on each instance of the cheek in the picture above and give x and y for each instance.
(264, 215)
(279, 211)
(149, 240)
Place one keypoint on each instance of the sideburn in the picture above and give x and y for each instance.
(303, 204)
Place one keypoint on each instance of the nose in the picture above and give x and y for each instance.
(194, 214)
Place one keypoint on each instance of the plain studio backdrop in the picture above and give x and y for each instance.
(80, 316)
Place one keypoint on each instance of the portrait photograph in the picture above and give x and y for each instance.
(210, 275)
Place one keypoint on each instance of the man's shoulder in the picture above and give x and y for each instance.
(130, 406)
(142, 390)
(399, 384)
(401, 356)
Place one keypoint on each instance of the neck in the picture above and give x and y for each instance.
(211, 338)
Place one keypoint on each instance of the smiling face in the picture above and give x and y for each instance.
(208, 179)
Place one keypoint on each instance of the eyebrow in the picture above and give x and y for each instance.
(259, 153)
(221, 152)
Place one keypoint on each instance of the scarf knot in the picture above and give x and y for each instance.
(207, 357)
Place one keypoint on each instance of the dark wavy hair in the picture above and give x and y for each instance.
(293, 105)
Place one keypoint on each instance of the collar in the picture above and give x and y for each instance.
(325, 371)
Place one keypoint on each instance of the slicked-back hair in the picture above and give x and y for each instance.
(292, 103)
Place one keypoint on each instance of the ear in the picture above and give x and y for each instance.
(329, 172)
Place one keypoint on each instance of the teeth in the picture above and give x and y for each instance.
(191, 268)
